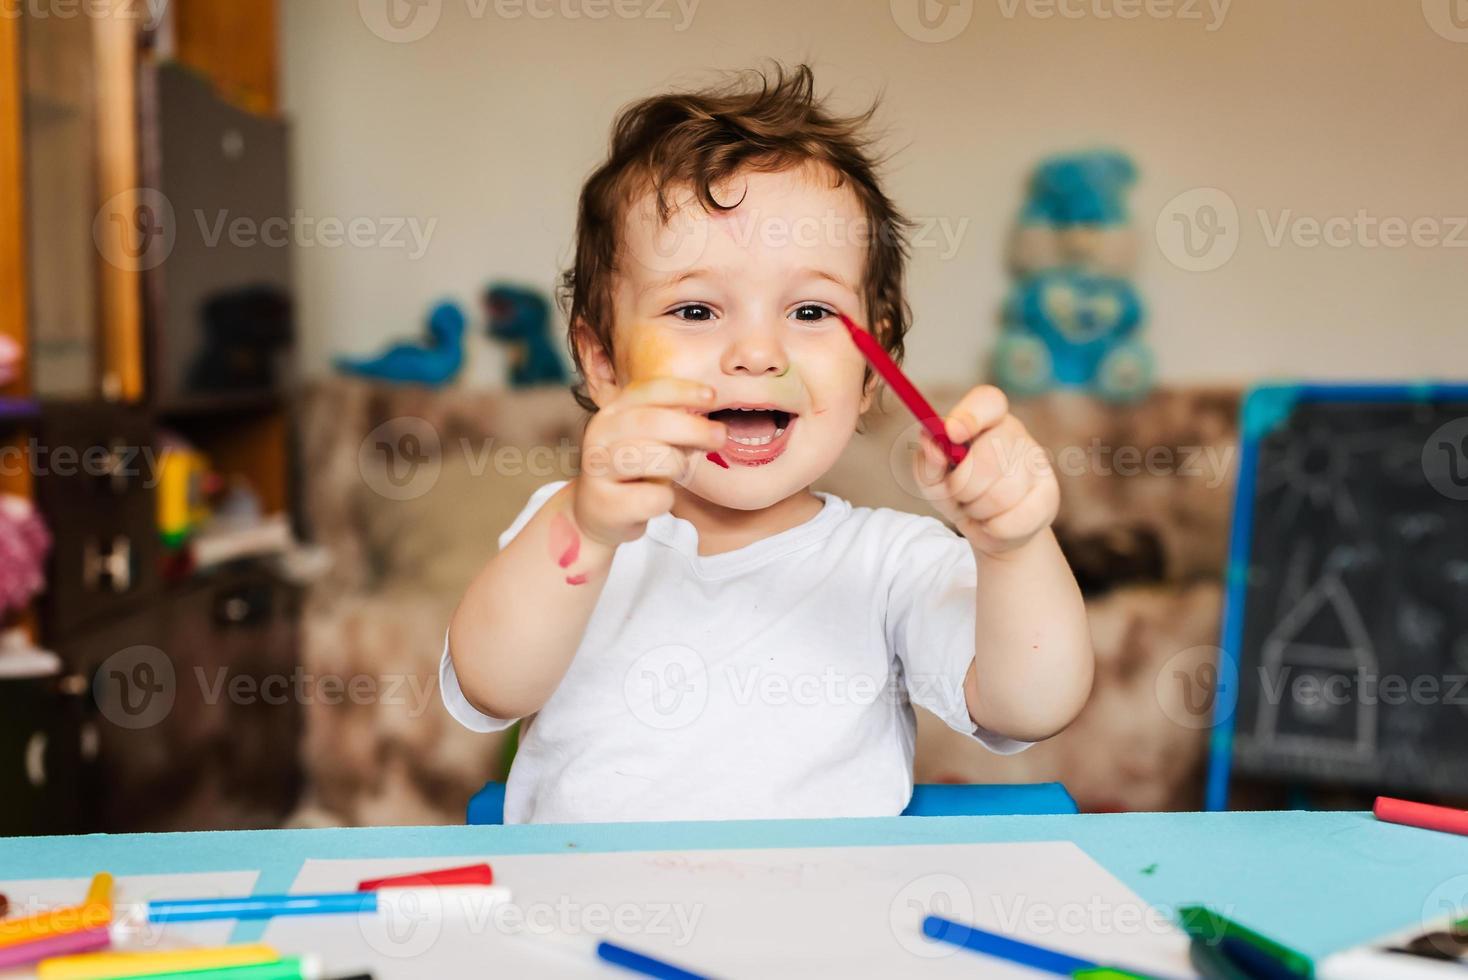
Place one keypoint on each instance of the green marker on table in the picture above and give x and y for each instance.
(1205, 925)
(1107, 973)
(289, 968)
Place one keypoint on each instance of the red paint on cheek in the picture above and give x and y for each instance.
(576, 579)
(565, 543)
(716, 458)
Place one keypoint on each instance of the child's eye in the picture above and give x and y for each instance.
(813, 312)
(693, 312)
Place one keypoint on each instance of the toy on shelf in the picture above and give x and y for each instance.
(9, 360)
(24, 544)
(435, 361)
(246, 336)
(520, 319)
(1073, 317)
(184, 485)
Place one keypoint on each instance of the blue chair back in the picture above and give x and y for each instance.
(928, 800)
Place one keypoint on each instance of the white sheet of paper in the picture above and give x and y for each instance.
(850, 911)
(28, 897)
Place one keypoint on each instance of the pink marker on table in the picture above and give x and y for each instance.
(1424, 815)
(64, 944)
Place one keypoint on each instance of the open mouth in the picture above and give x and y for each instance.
(756, 435)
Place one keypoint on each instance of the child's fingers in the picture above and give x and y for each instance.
(671, 392)
(986, 463)
(670, 426)
(646, 500)
(1035, 511)
(977, 412)
(1006, 493)
(930, 466)
(646, 459)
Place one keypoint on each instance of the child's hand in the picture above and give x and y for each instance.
(1004, 492)
(652, 434)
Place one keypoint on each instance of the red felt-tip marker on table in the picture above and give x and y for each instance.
(911, 397)
(1424, 815)
(471, 874)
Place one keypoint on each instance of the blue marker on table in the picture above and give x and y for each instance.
(259, 906)
(1003, 946)
(641, 963)
(993, 944)
(1025, 954)
(271, 906)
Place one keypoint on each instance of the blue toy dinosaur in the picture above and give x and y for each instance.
(520, 319)
(435, 361)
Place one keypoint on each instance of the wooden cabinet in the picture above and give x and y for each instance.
(198, 706)
(96, 465)
(103, 116)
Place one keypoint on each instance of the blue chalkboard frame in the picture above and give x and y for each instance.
(1265, 408)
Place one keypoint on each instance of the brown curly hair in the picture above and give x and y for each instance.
(765, 122)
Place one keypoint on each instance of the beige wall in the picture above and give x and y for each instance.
(1318, 108)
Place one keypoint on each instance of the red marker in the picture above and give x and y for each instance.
(910, 396)
(1423, 815)
(472, 874)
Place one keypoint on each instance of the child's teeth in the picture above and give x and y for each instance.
(763, 441)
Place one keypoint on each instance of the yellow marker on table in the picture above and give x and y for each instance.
(100, 891)
(94, 912)
(92, 966)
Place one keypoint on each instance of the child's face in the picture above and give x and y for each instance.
(745, 301)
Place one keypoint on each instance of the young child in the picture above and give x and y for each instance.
(688, 629)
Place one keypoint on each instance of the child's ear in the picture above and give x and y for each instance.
(596, 365)
(869, 389)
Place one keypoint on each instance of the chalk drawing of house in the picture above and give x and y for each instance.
(1322, 634)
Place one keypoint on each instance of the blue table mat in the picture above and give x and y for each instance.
(1318, 881)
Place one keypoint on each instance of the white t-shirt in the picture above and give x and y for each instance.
(776, 680)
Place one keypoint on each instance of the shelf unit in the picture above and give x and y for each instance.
(82, 108)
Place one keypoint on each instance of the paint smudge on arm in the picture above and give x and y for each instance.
(564, 545)
(565, 542)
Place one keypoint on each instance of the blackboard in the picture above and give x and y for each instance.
(1346, 628)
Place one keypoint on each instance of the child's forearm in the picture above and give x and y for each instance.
(518, 626)
(1033, 663)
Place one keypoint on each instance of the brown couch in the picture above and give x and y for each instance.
(409, 489)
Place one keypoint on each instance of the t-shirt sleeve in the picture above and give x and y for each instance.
(448, 680)
(930, 625)
(536, 501)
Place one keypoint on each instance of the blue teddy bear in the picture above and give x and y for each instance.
(1072, 327)
(1081, 189)
(1076, 214)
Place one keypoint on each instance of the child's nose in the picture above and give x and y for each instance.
(756, 352)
